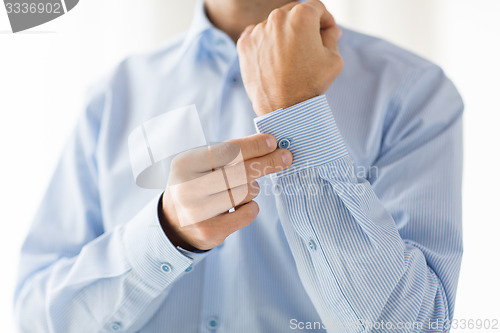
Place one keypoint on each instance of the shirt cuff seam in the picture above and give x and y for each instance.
(310, 131)
(149, 251)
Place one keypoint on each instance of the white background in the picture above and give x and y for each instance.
(44, 73)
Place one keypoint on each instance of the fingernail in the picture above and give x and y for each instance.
(286, 156)
(271, 141)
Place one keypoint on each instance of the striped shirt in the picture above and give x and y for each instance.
(362, 233)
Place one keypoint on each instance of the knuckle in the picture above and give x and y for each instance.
(276, 15)
(316, 2)
(258, 29)
(243, 41)
(301, 11)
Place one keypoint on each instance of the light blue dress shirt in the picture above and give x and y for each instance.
(361, 233)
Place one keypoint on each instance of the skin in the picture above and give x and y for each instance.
(272, 38)
(233, 16)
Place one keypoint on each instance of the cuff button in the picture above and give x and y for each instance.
(166, 267)
(284, 143)
(116, 326)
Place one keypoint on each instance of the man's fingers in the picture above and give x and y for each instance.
(212, 232)
(326, 19)
(314, 14)
(253, 169)
(330, 31)
(265, 165)
(241, 173)
(330, 38)
(193, 163)
(288, 7)
(247, 30)
(194, 209)
(238, 150)
(255, 145)
(240, 218)
(223, 201)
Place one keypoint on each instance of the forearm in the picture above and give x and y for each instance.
(354, 262)
(359, 277)
(119, 279)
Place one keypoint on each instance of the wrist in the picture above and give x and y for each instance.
(170, 231)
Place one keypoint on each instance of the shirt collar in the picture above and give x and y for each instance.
(205, 39)
(199, 25)
(200, 22)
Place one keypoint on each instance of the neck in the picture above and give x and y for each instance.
(232, 16)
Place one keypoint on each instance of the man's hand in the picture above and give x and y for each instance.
(204, 183)
(290, 57)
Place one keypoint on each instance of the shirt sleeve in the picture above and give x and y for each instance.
(75, 276)
(379, 253)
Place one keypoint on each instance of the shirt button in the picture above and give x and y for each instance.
(312, 245)
(284, 143)
(166, 267)
(189, 269)
(116, 326)
(235, 80)
(213, 323)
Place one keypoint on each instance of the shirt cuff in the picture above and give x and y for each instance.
(196, 256)
(308, 130)
(149, 251)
